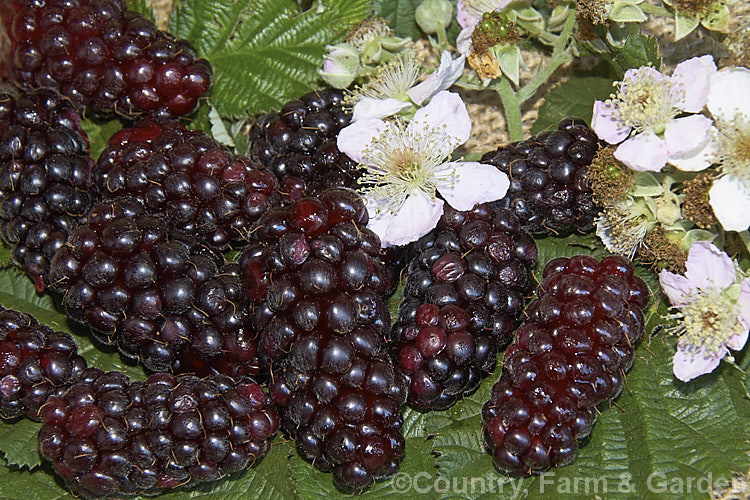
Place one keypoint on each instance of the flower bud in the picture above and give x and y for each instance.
(340, 66)
(433, 14)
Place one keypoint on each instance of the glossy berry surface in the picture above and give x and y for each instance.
(298, 144)
(548, 179)
(35, 364)
(151, 293)
(205, 192)
(107, 436)
(571, 354)
(102, 56)
(45, 177)
(464, 293)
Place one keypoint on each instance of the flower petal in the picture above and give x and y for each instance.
(727, 95)
(380, 216)
(708, 267)
(694, 77)
(446, 111)
(355, 138)
(730, 201)
(686, 136)
(606, 126)
(743, 303)
(701, 159)
(462, 15)
(686, 366)
(463, 40)
(465, 184)
(643, 152)
(677, 287)
(737, 342)
(447, 73)
(417, 216)
(368, 108)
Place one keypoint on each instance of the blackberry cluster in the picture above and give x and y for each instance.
(205, 191)
(298, 144)
(316, 269)
(340, 398)
(153, 294)
(45, 177)
(465, 291)
(107, 436)
(317, 287)
(569, 356)
(35, 363)
(102, 56)
(548, 179)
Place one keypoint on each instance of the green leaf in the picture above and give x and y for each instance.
(400, 16)
(624, 12)
(574, 97)
(6, 258)
(637, 51)
(684, 24)
(19, 444)
(17, 292)
(264, 52)
(99, 133)
(143, 7)
(40, 484)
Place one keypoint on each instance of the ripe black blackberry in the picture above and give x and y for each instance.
(35, 363)
(205, 191)
(464, 292)
(107, 436)
(102, 56)
(316, 268)
(548, 179)
(151, 293)
(45, 177)
(298, 144)
(570, 355)
(340, 398)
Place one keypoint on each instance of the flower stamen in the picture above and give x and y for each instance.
(734, 147)
(391, 81)
(647, 101)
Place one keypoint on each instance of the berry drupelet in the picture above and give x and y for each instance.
(548, 179)
(102, 56)
(107, 436)
(298, 144)
(45, 177)
(35, 363)
(464, 292)
(570, 355)
(153, 294)
(206, 192)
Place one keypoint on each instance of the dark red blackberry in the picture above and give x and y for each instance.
(570, 355)
(101, 56)
(340, 398)
(152, 294)
(107, 436)
(464, 292)
(45, 177)
(35, 363)
(548, 179)
(298, 144)
(316, 269)
(206, 192)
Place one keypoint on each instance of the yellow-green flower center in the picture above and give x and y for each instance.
(645, 102)
(708, 322)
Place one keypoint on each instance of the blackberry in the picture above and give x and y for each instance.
(570, 355)
(102, 56)
(35, 363)
(316, 268)
(340, 398)
(205, 191)
(548, 179)
(107, 436)
(463, 295)
(45, 177)
(142, 289)
(298, 144)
